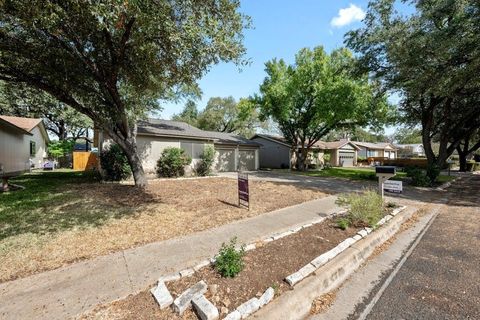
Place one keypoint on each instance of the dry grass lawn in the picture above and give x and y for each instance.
(91, 219)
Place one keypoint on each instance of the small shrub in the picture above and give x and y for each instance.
(433, 171)
(343, 223)
(204, 166)
(172, 163)
(391, 205)
(229, 261)
(114, 162)
(419, 178)
(364, 209)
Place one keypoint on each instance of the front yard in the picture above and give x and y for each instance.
(366, 173)
(62, 217)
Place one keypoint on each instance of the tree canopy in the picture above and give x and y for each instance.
(431, 59)
(60, 120)
(223, 115)
(317, 94)
(407, 135)
(113, 60)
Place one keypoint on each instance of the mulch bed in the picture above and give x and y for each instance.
(266, 266)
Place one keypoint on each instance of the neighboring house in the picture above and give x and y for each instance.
(233, 152)
(276, 153)
(23, 144)
(410, 150)
(376, 150)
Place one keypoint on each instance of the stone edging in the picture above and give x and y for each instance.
(322, 259)
(197, 299)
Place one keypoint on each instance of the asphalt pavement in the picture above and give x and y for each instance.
(441, 277)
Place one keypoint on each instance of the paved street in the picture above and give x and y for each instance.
(440, 280)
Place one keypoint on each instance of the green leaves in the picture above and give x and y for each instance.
(317, 94)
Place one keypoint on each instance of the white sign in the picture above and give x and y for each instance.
(393, 186)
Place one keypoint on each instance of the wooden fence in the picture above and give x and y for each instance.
(83, 161)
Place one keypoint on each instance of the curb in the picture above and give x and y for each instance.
(296, 303)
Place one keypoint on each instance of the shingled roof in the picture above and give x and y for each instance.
(169, 128)
(26, 124)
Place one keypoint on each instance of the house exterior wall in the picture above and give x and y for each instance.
(150, 149)
(272, 154)
(15, 153)
(38, 159)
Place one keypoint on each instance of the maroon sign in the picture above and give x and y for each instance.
(243, 194)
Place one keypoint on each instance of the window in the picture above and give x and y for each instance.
(33, 150)
(194, 150)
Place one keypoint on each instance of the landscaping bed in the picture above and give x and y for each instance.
(265, 266)
(272, 264)
(63, 217)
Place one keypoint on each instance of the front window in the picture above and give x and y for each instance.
(33, 150)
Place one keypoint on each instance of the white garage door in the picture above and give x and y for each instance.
(225, 160)
(246, 160)
(346, 159)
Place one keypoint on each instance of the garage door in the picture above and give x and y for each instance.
(246, 160)
(346, 159)
(225, 160)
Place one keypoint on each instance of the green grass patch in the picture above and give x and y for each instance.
(50, 203)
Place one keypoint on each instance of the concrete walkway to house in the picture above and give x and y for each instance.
(76, 288)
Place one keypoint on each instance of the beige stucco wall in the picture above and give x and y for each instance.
(15, 150)
(13, 156)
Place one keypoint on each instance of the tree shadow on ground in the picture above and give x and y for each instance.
(58, 201)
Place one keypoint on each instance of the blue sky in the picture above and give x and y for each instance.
(280, 29)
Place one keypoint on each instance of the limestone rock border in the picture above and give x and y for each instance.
(254, 304)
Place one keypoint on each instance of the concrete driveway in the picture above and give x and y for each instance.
(332, 185)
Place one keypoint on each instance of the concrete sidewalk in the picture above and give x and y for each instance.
(74, 289)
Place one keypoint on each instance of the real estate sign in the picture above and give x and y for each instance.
(393, 186)
(243, 192)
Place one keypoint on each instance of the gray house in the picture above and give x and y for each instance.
(276, 153)
(233, 152)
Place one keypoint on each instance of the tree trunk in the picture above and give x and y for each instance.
(129, 146)
(463, 161)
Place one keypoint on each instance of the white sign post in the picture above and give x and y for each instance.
(384, 173)
(393, 186)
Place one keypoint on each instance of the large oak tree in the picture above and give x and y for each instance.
(431, 58)
(112, 60)
(316, 95)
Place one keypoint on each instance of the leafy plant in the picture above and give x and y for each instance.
(343, 223)
(60, 148)
(204, 166)
(114, 164)
(419, 178)
(364, 209)
(172, 163)
(229, 261)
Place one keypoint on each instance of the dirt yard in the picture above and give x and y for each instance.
(97, 219)
(266, 266)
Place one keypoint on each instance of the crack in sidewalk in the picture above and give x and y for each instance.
(128, 271)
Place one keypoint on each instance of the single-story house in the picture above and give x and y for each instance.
(23, 144)
(233, 152)
(410, 150)
(376, 149)
(275, 152)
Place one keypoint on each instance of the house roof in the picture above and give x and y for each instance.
(374, 145)
(26, 124)
(277, 139)
(319, 144)
(11, 126)
(169, 128)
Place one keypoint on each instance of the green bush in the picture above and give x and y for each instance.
(204, 166)
(229, 261)
(419, 178)
(364, 209)
(172, 163)
(343, 223)
(433, 171)
(115, 164)
(60, 148)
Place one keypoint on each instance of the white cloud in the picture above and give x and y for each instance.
(347, 16)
